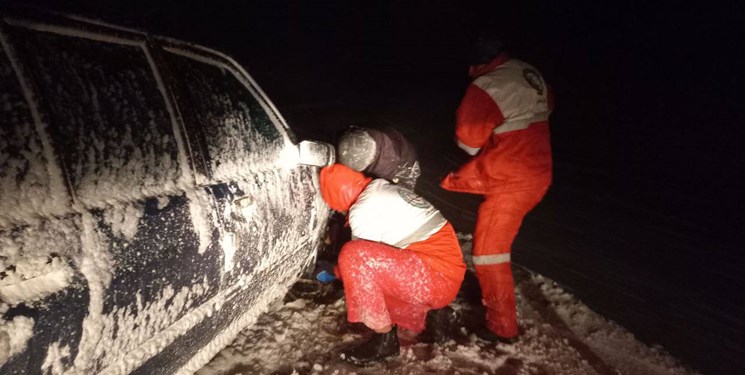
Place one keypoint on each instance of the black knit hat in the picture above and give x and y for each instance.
(486, 46)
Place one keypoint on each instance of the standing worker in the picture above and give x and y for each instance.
(404, 258)
(502, 122)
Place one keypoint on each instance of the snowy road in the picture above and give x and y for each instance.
(560, 335)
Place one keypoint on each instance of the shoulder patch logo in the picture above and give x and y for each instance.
(413, 199)
(534, 80)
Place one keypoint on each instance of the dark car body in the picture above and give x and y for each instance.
(153, 201)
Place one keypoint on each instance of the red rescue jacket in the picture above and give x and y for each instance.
(383, 212)
(503, 121)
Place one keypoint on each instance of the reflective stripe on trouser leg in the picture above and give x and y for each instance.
(485, 260)
(499, 219)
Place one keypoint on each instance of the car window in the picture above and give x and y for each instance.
(239, 136)
(107, 114)
(30, 183)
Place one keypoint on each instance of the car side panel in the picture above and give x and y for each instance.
(273, 273)
(270, 208)
(151, 275)
(149, 244)
(44, 253)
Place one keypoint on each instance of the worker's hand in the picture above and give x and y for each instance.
(324, 271)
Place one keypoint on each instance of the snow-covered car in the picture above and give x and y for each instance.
(152, 200)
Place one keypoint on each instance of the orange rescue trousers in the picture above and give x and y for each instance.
(499, 219)
(387, 286)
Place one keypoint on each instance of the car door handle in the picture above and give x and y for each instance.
(243, 208)
(243, 202)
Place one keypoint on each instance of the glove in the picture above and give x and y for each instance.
(324, 272)
(325, 277)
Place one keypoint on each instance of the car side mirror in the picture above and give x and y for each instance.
(314, 153)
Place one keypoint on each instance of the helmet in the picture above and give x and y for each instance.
(486, 46)
(357, 149)
(340, 186)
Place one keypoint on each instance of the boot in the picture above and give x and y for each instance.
(330, 293)
(439, 326)
(379, 347)
(487, 335)
(304, 288)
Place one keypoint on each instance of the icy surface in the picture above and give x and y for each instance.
(240, 136)
(201, 216)
(33, 279)
(286, 255)
(40, 254)
(611, 342)
(152, 327)
(35, 260)
(144, 326)
(306, 338)
(14, 334)
(105, 107)
(123, 222)
(53, 361)
(30, 186)
(111, 119)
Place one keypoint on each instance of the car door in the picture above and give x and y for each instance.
(270, 212)
(250, 165)
(149, 250)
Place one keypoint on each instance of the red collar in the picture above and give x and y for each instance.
(477, 70)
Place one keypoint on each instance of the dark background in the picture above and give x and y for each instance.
(644, 219)
(650, 93)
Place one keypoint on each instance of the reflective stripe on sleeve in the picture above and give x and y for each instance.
(484, 260)
(423, 232)
(470, 150)
(520, 124)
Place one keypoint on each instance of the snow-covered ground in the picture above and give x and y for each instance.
(629, 251)
(559, 335)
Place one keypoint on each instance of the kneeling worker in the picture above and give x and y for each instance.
(404, 258)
